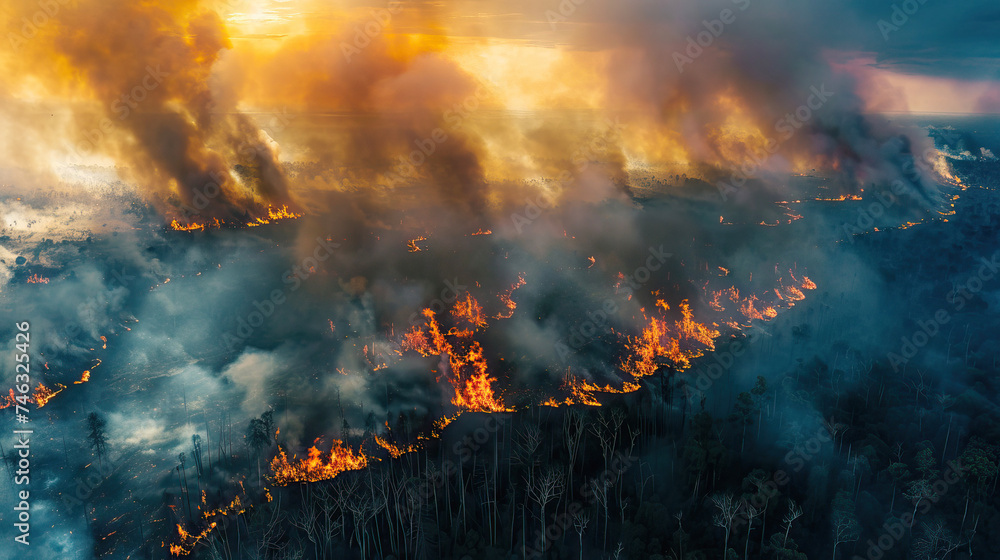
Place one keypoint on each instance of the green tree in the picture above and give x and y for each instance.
(980, 462)
(845, 523)
(743, 414)
(703, 450)
(96, 436)
(258, 437)
(899, 473)
(925, 464)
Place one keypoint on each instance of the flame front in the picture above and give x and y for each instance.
(316, 466)
(679, 341)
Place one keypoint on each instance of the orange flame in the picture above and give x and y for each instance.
(678, 341)
(316, 466)
(274, 215)
(394, 451)
(506, 298)
(412, 244)
(470, 310)
(43, 394)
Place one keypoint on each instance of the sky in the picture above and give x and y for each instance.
(934, 57)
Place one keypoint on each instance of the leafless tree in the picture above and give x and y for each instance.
(546, 488)
(936, 542)
(580, 521)
(599, 490)
(794, 512)
(528, 440)
(572, 432)
(266, 531)
(845, 529)
(752, 513)
(728, 508)
(363, 508)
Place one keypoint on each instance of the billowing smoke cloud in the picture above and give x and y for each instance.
(700, 91)
(608, 151)
(147, 70)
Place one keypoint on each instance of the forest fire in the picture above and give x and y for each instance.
(189, 541)
(584, 392)
(679, 341)
(43, 394)
(505, 298)
(273, 214)
(468, 373)
(317, 465)
(474, 390)
(36, 279)
(469, 310)
(394, 451)
(186, 227)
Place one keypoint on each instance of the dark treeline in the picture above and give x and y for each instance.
(887, 471)
(793, 440)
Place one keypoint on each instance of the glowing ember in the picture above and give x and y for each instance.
(841, 198)
(412, 244)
